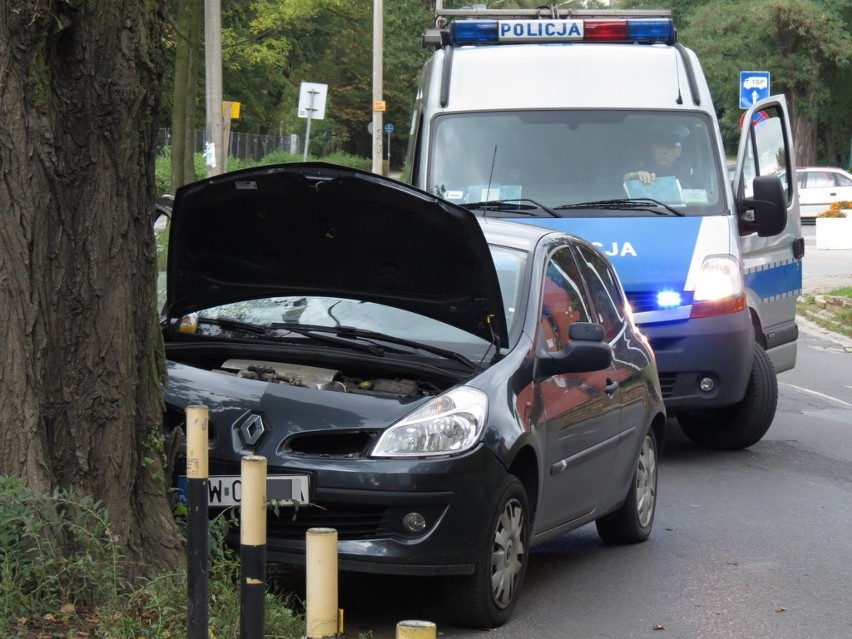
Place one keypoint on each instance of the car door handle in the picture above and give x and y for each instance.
(610, 387)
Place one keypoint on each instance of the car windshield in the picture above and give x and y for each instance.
(301, 316)
(558, 159)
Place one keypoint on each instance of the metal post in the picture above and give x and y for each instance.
(213, 85)
(321, 612)
(311, 109)
(196, 522)
(378, 45)
(253, 547)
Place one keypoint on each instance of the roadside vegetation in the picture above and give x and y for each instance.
(62, 575)
(831, 310)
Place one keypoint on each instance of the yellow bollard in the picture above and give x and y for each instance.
(322, 616)
(414, 629)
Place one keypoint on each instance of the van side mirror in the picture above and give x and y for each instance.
(585, 351)
(765, 213)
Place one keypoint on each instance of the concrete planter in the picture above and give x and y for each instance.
(834, 232)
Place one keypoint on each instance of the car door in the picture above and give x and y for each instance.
(631, 364)
(579, 412)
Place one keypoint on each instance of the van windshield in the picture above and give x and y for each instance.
(559, 159)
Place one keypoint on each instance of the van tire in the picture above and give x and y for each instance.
(743, 424)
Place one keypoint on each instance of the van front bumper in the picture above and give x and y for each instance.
(689, 353)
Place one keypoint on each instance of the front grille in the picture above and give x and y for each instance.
(667, 383)
(350, 522)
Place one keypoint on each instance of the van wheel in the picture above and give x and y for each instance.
(633, 520)
(487, 597)
(743, 424)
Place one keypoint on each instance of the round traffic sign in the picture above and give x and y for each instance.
(389, 128)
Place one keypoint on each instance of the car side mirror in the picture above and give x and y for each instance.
(766, 211)
(585, 351)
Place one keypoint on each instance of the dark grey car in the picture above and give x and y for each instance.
(444, 391)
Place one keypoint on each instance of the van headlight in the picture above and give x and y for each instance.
(448, 424)
(719, 289)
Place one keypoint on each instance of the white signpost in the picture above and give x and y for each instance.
(311, 106)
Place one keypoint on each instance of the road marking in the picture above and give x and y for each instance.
(808, 391)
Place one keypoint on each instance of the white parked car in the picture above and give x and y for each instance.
(820, 186)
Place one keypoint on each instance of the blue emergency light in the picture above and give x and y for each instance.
(669, 299)
(631, 30)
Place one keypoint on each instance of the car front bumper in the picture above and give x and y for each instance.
(367, 500)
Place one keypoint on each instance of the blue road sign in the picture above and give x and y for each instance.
(754, 86)
(389, 128)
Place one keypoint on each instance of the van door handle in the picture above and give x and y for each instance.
(610, 387)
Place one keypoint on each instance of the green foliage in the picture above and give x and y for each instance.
(62, 575)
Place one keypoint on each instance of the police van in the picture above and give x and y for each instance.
(601, 123)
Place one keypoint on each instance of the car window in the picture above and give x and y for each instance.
(605, 291)
(842, 180)
(563, 301)
(821, 178)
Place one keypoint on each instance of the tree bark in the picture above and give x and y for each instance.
(190, 17)
(80, 403)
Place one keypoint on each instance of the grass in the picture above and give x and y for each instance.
(62, 575)
(835, 321)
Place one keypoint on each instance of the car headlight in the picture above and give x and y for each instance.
(447, 424)
(719, 288)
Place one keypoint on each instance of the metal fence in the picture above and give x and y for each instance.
(245, 146)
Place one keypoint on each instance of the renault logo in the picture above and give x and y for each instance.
(251, 427)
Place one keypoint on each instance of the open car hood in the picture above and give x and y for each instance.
(321, 229)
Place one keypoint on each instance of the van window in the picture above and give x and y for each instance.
(569, 156)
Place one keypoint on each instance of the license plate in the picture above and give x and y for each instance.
(227, 490)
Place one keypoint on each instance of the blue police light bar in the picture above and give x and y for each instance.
(635, 30)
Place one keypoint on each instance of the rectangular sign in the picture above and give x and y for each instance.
(754, 86)
(539, 30)
(312, 100)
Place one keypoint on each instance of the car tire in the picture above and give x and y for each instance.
(633, 520)
(743, 424)
(487, 598)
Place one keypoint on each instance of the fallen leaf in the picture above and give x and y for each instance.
(68, 609)
(659, 626)
(780, 609)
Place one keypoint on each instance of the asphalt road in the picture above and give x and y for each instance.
(748, 544)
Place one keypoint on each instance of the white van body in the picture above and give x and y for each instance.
(516, 116)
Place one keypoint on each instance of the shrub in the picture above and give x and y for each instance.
(62, 575)
(836, 209)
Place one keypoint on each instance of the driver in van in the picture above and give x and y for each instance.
(663, 158)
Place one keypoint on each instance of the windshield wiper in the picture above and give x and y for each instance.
(226, 322)
(344, 333)
(519, 205)
(637, 203)
(312, 332)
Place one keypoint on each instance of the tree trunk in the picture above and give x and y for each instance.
(190, 15)
(804, 122)
(80, 403)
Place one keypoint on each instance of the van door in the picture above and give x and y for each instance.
(772, 265)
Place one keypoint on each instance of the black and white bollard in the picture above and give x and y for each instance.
(253, 548)
(197, 545)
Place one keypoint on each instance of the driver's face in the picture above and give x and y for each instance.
(665, 156)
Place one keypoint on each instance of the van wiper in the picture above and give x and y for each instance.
(342, 334)
(637, 204)
(522, 205)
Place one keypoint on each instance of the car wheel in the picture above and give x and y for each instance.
(486, 598)
(743, 424)
(633, 520)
